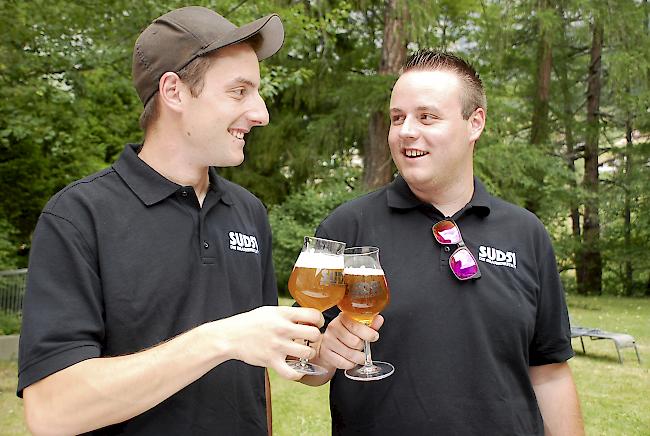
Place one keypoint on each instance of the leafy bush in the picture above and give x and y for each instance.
(9, 258)
(302, 212)
(10, 323)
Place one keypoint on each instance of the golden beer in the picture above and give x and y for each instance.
(317, 281)
(366, 294)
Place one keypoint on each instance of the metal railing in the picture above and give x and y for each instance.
(12, 289)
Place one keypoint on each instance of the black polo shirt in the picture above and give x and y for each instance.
(461, 350)
(126, 259)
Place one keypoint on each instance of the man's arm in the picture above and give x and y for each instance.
(342, 346)
(98, 392)
(557, 399)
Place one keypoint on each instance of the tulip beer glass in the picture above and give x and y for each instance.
(366, 294)
(316, 281)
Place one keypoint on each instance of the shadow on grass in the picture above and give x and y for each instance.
(595, 357)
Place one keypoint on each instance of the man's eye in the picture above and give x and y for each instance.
(427, 117)
(397, 119)
(239, 92)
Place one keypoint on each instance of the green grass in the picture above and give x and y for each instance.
(615, 398)
(11, 407)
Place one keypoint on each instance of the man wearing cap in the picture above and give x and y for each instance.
(477, 325)
(150, 300)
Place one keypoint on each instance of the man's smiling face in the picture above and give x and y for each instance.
(228, 106)
(429, 140)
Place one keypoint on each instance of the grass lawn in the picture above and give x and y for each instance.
(615, 398)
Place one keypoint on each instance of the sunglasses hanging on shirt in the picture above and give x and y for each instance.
(462, 262)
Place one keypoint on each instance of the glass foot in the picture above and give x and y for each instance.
(376, 371)
(306, 367)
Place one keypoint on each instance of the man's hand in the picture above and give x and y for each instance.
(342, 346)
(267, 335)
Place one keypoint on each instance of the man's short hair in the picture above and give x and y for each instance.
(472, 95)
(193, 75)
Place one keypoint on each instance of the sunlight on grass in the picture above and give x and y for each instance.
(11, 407)
(615, 398)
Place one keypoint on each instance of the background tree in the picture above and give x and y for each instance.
(68, 108)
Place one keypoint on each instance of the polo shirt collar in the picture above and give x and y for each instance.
(149, 185)
(400, 196)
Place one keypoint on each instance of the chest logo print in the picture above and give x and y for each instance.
(497, 257)
(241, 242)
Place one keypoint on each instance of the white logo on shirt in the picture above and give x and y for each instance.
(241, 242)
(497, 257)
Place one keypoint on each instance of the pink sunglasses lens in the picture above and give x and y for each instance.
(463, 264)
(446, 232)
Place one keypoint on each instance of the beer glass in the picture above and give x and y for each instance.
(316, 281)
(366, 294)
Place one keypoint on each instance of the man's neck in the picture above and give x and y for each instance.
(168, 159)
(449, 197)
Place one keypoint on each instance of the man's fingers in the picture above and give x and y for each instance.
(303, 315)
(285, 370)
(305, 332)
(360, 330)
(345, 336)
(335, 359)
(299, 350)
(377, 322)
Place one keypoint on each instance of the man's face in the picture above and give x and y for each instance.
(229, 105)
(429, 140)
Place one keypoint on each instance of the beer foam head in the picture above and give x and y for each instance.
(363, 271)
(319, 261)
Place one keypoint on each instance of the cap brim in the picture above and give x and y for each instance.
(269, 28)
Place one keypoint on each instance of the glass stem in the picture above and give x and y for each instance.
(366, 349)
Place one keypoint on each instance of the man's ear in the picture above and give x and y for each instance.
(170, 88)
(476, 124)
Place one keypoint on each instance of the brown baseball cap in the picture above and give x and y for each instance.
(177, 38)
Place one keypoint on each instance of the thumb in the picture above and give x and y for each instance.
(285, 371)
(377, 322)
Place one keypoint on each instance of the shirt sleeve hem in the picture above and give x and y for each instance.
(52, 364)
(559, 356)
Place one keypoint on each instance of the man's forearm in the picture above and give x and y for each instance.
(98, 392)
(103, 391)
(557, 399)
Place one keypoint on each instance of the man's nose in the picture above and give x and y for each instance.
(408, 128)
(258, 114)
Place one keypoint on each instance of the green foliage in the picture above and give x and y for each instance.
(9, 247)
(10, 323)
(301, 213)
(69, 106)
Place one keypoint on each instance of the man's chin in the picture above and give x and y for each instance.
(416, 178)
(235, 161)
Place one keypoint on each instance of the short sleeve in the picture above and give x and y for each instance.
(62, 308)
(552, 338)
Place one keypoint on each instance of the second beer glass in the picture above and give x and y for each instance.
(366, 295)
(316, 281)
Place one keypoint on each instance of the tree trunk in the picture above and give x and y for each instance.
(627, 215)
(378, 170)
(570, 157)
(540, 126)
(591, 229)
(539, 133)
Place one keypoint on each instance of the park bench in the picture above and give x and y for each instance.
(621, 340)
